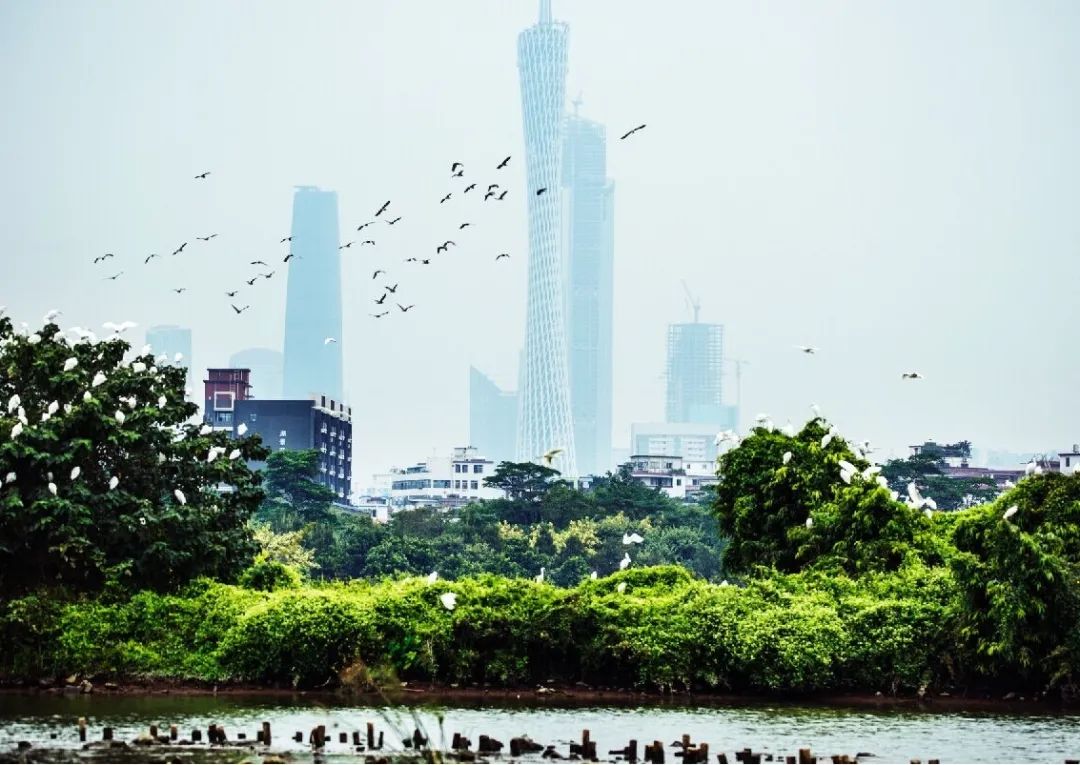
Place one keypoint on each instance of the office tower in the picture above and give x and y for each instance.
(316, 422)
(588, 244)
(694, 375)
(493, 416)
(313, 302)
(222, 388)
(171, 340)
(266, 370)
(544, 400)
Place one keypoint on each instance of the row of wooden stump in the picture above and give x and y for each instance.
(686, 751)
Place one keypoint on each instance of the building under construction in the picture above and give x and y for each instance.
(695, 392)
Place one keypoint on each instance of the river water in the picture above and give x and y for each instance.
(891, 733)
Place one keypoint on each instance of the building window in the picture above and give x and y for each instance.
(252, 416)
(281, 434)
(457, 484)
(473, 485)
(457, 468)
(478, 468)
(281, 442)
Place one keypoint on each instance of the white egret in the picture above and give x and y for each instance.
(161, 402)
(120, 416)
(449, 600)
(1010, 512)
(53, 408)
(52, 488)
(787, 457)
(13, 403)
(241, 429)
(138, 366)
(50, 316)
(593, 575)
(70, 364)
(205, 429)
(234, 454)
(113, 483)
(86, 396)
(16, 431)
(809, 522)
(178, 358)
(433, 577)
(327, 341)
(99, 378)
(540, 577)
(625, 562)
(123, 326)
(75, 471)
(180, 496)
(632, 539)
(10, 477)
(789, 430)
(621, 587)
(34, 339)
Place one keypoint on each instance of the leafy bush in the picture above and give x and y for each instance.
(269, 575)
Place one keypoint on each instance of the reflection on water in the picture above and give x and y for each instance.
(892, 734)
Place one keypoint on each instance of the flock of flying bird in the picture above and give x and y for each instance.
(494, 192)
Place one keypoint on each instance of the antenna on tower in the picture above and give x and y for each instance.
(695, 304)
(545, 11)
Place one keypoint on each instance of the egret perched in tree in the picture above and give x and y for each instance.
(180, 496)
(539, 578)
(70, 364)
(621, 587)
(1010, 512)
(99, 378)
(625, 562)
(593, 575)
(787, 457)
(234, 454)
(13, 403)
(120, 416)
(433, 577)
(75, 472)
(52, 488)
(632, 539)
(206, 429)
(113, 483)
(241, 429)
(449, 600)
(809, 522)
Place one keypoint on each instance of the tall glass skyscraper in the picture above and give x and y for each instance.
(171, 340)
(544, 400)
(313, 302)
(588, 245)
(695, 391)
(492, 417)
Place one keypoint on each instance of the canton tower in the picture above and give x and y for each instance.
(544, 419)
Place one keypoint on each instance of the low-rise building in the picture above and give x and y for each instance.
(447, 481)
(1069, 462)
(693, 442)
(660, 471)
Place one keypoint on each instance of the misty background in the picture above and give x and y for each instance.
(894, 182)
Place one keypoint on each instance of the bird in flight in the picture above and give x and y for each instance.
(288, 257)
(383, 208)
(114, 277)
(362, 226)
(459, 174)
(286, 239)
(469, 188)
(232, 293)
(240, 310)
(206, 238)
(493, 186)
(489, 195)
(911, 376)
(455, 166)
(258, 263)
(102, 257)
(381, 300)
(376, 274)
(444, 198)
(502, 255)
(328, 340)
(405, 308)
(395, 220)
(425, 262)
(367, 241)
(443, 247)
(551, 454)
(202, 175)
(380, 315)
(150, 257)
(392, 290)
(626, 135)
(410, 260)
(501, 197)
(503, 164)
(267, 276)
(541, 190)
(179, 249)
(463, 226)
(180, 290)
(807, 348)
(252, 280)
(343, 246)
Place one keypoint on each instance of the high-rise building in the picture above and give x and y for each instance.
(266, 370)
(544, 419)
(317, 422)
(170, 340)
(313, 303)
(493, 416)
(695, 375)
(589, 251)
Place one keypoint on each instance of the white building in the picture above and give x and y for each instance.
(693, 442)
(1070, 461)
(659, 471)
(443, 481)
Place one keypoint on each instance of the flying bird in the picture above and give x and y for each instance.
(405, 308)
(252, 280)
(114, 277)
(502, 255)
(362, 226)
(807, 348)
(395, 220)
(202, 175)
(107, 255)
(269, 275)
(501, 197)
(455, 166)
(381, 300)
(911, 376)
(150, 257)
(425, 262)
(383, 208)
(493, 186)
(288, 257)
(489, 195)
(540, 190)
(286, 239)
(551, 454)
(380, 315)
(376, 274)
(392, 290)
(411, 260)
(240, 310)
(445, 198)
(632, 539)
(367, 241)
(258, 263)
(206, 238)
(180, 290)
(463, 226)
(469, 188)
(343, 246)
(626, 135)
(328, 340)
(459, 174)
(179, 249)
(503, 164)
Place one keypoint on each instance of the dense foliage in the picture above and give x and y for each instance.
(927, 471)
(104, 480)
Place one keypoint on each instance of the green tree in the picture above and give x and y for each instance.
(526, 481)
(294, 498)
(105, 479)
(927, 471)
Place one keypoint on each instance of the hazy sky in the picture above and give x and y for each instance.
(895, 182)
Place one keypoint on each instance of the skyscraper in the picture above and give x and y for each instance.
(266, 370)
(493, 416)
(588, 246)
(694, 375)
(171, 340)
(313, 302)
(544, 401)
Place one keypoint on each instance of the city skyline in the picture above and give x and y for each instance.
(904, 213)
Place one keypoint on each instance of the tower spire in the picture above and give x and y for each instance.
(545, 11)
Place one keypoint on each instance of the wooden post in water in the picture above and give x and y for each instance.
(371, 735)
(173, 733)
(298, 736)
(196, 735)
(82, 729)
(631, 751)
(153, 732)
(356, 738)
(266, 733)
(343, 738)
(806, 756)
(380, 739)
(106, 734)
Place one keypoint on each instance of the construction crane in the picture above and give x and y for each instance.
(695, 304)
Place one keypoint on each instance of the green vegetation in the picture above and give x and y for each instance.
(927, 471)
